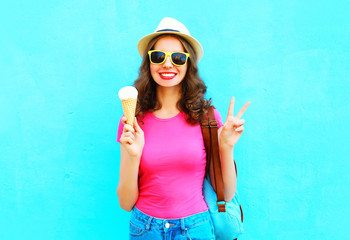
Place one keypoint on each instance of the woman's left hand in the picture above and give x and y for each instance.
(233, 127)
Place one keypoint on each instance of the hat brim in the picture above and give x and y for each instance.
(197, 47)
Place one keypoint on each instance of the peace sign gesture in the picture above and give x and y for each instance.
(233, 127)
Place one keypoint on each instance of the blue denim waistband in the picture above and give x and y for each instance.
(182, 223)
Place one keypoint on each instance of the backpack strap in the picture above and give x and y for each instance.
(210, 135)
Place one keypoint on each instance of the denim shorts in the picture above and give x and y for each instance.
(198, 226)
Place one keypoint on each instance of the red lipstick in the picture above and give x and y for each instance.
(167, 75)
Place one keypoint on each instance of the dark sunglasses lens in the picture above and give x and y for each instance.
(157, 57)
(179, 58)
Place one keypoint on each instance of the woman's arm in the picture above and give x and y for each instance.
(127, 190)
(132, 142)
(228, 169)
(229, 134)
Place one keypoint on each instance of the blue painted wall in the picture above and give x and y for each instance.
(62, 63)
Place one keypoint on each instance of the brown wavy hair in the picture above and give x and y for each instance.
(193, 88)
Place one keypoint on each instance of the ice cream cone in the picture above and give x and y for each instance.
(128, 96)
(129, 107)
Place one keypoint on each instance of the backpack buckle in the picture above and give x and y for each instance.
(221, 206)
(213, 123)
(205, 124)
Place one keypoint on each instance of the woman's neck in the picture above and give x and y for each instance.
(168, 98)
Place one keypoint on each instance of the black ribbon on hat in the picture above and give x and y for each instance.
(168, 30)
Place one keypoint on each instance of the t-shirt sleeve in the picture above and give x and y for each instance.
(218, 118)
(120, 129)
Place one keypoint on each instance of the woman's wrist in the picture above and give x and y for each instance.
(225, 148)
(135, 159)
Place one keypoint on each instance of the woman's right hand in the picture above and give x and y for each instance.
(132, 138)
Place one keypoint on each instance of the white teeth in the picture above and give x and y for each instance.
(168, 74)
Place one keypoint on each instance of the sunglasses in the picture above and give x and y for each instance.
(159, 57)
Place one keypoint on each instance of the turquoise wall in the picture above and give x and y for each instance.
(62, 63)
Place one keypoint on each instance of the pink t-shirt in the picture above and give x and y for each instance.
(172, 167)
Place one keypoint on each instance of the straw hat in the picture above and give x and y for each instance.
(171, 26)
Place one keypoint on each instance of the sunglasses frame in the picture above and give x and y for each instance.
(166, 56)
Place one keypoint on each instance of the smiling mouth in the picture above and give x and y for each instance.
(167, 76)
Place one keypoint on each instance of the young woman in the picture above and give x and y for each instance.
(163, 156)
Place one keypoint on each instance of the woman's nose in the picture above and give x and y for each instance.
(167, 62)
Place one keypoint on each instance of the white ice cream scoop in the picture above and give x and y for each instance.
(128, 96)
(128, 92)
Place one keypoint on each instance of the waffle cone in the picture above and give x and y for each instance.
(129, 107)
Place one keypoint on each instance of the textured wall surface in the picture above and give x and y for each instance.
(62, 63)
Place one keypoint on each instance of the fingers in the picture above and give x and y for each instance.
(240, 129)
(127, 137)
(126, 140)
(130, 133)
(240, 113)
(124, 120)
(234, 122)
(231, 107)
(240, 122)
(128, 128)
(239, 125)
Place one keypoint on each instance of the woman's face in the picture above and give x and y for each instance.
(167, 74)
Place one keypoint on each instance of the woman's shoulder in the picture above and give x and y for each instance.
(218, 117)
(216, 112)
